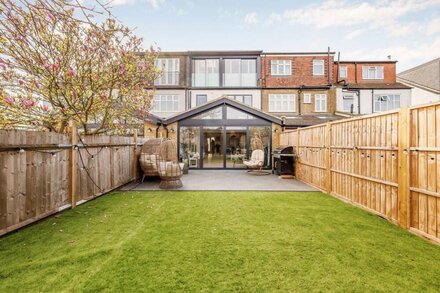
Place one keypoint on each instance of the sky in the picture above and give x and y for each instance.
(408, 30)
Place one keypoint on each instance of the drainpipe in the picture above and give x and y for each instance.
(355, 73)
(372, 101)
(299, 99)
(157, 131)
(359, 100)
(328, 64)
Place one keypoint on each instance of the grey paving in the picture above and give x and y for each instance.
(227, 180)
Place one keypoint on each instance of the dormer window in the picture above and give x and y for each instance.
(343, 73)
(372, 72)
(318, 67)
(281, 67)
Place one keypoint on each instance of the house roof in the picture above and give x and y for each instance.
(366, 61)
(377, 86)
(309, 120)
(426, 75)
(217, 102)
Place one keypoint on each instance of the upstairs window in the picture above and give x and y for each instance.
(372, 72)
(165, 104)
(318, 67)
(281, 67)
(320, 103)
(201, 100)
(343, 73)
(386, 102)
(280, 103)
(240, 72)
(245, 99)
(169, 71)
(206, 73)
(307, 98)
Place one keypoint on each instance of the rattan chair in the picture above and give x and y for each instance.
(170, 170)
(149, 156)
(256, 163)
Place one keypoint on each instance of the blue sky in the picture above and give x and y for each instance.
(408, 30)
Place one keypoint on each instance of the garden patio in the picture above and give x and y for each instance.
(217, 241)
(226, 180)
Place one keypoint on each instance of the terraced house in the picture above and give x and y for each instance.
(218, 105)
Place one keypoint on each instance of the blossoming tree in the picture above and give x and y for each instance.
(61, 61)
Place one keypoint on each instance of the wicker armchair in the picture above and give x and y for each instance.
(170, 170)
(148, 158)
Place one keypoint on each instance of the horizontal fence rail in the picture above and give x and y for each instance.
(42, 173)
(387, 163)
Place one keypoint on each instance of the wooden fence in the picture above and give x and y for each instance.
(42, 173)
(387, 163)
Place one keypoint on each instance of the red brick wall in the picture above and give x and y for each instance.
(302, 71)
(389, 72)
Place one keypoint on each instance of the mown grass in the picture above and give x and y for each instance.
(217, 241)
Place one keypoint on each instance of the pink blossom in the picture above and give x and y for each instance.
(103, 97)
(10, 100)
(20, 81)
(71, 73)
(45, 108)
(52, 18)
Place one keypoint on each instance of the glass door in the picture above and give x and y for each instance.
(236, 146)
(213, 147)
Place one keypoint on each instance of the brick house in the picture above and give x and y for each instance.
(220, 106)
(298, 87)
(365, 87)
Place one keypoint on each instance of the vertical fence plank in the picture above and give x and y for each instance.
(73, 164)
(403, 165)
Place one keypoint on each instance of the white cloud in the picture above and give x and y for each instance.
(410, 55)
(155, 3)
(341, 13)
(274, 18)
(354, 34)
(251, 18)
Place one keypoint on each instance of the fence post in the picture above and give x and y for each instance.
(135, 158)
(403, 168)
(328, 173)
(73, 159)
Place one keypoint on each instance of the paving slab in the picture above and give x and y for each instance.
(226, 180)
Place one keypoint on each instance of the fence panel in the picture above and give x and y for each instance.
(311, 160)
(364, 162)
(35, 172)
(33, 184)
(425, 170)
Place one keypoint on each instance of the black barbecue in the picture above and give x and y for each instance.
(283, 158)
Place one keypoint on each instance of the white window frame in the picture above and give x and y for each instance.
(391, 100)
(343, 71)
(307, 98)
(373, 72)
(318, 64)
(171, 103)
(281, 67)
(281, 103)
(170, 68)
(242, 98)
(347, 97)
(320, 103)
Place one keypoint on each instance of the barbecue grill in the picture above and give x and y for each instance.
(283, 158)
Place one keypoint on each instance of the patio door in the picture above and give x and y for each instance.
(213, 147)
(237, 146)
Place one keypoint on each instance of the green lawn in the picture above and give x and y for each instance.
(217, 241)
